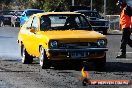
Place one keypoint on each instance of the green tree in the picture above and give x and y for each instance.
(51, 5)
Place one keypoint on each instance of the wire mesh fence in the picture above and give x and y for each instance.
(113, 22)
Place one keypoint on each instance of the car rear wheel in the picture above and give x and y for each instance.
(20, 24)
(26, 58)
(43, 60)
(16, 25)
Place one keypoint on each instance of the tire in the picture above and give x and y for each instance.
(16, 24)
(20, 24)
(100, 64)
(105, 32)
(43, 60)
(26, 58)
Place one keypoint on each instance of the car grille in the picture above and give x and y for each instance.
(97, 23)
(93, 18)
(78, 45)
(7, 18)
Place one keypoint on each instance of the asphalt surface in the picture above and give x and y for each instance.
(14, 74)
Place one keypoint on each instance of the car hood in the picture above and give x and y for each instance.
(96, 19)
(7, 15)
(73, 35)
(102, 20)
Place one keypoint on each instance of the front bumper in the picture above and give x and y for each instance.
(78, 50)
(65, 54)
(100, 28)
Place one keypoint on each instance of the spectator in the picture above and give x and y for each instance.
(45, 23)
(125, 24)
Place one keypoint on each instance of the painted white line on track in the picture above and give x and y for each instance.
(124, 59)
(126, 52)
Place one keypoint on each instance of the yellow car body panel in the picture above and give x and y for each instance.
(90, 36)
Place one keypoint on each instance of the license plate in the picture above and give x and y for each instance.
(80, 54)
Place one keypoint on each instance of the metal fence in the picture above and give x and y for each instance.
(113, 22)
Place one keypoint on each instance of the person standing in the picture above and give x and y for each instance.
(125, 25)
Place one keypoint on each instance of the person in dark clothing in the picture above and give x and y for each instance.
(45, 23)
(125, 24)
(71, 23)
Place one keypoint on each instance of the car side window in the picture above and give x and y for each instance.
(84, 23)
(78, 21)
(28, 24)
(45, 23)
(35, 23)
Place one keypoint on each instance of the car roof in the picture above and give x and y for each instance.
(7, 10)
(85, 11)
(50, 13)
(19, 10)
(33, 9)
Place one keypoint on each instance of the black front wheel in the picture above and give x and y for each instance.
(26, 58)
(43, 60)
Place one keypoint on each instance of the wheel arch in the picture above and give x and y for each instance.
(41, 46)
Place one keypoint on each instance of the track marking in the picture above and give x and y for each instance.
(124, 59)
(127, 58)
(126, 52)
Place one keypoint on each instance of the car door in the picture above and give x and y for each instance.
(25, 33)
(33, 33)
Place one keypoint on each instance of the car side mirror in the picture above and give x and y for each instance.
(28, 27)
(32, 30)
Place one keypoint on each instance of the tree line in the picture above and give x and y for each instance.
(51, 5)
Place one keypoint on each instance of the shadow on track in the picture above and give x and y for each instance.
(110, 67)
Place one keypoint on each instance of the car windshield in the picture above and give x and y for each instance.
(65, 22)
(31, 12)
(92, 14)
(18, 13)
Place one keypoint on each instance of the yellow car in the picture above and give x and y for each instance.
(61, 36)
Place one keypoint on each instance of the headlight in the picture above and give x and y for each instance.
(102, 43)
(53, 44)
